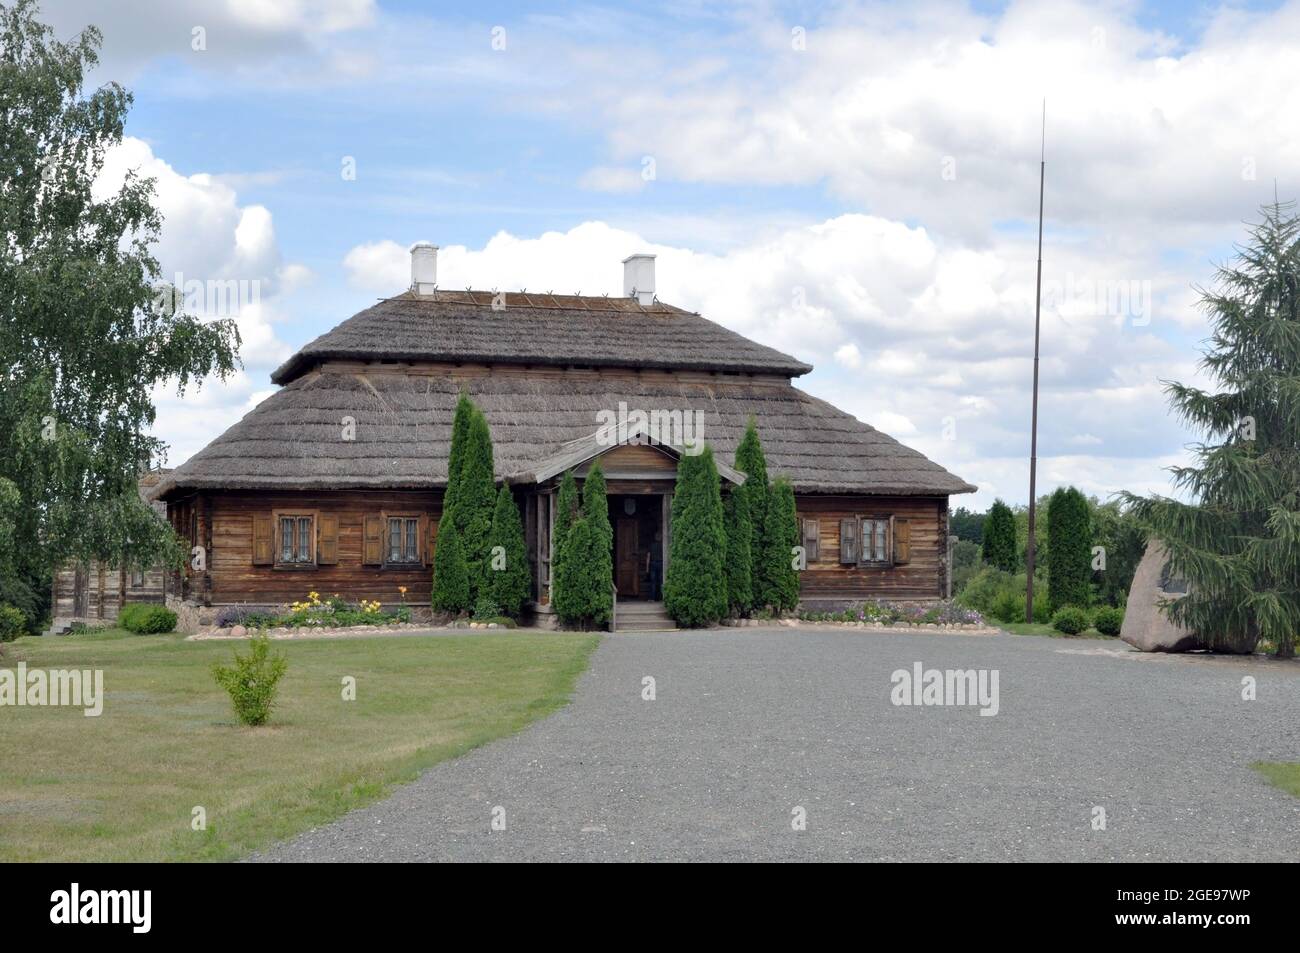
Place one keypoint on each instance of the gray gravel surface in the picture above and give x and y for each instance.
(749, 724)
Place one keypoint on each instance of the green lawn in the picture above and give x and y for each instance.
(1042, 628)
(122, 786)
(1282, 774)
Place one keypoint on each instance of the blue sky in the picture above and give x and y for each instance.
(853, 183)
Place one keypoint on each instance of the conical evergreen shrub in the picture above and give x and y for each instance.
(460, 422)
(1000, 538)
(1069, 549)
(738, 560)
(780, 536)
(475, 500)
(583, 584)
(450, 572)
(507, 571)
(567, 507)
(695, 591)
(751, 462)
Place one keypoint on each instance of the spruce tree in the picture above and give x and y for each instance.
(739, 559)
(751, 462)
(475, 500)
(780, 536)
(567, 505)
(507, 574)
(1000, 538)
(450, 572)
(1237, 540)
(695, 591)
(1069, 549)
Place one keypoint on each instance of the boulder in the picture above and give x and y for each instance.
(1146, 626)
(239, 631)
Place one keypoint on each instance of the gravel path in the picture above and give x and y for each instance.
(749, 724)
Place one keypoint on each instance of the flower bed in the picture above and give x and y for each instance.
(312, 613)
(943, 614)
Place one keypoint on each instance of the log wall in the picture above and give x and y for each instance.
(921, 578)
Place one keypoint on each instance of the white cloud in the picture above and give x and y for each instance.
(228, 254)
(848, 355)
(886, 99)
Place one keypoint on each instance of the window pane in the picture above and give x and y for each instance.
(880, 541)
(394, 540)
(304, 539)
(412, 532)
(286, 541)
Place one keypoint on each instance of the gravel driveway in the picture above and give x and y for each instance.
(750, 724)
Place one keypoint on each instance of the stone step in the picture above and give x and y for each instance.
(641, 608)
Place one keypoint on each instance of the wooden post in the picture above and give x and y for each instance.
(665, 511)
(550, 545)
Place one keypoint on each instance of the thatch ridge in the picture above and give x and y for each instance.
(546, 329)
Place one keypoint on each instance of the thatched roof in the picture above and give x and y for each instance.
(463, 326)
(293, 439)
(573, 454)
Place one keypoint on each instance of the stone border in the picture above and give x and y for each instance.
(963, 628)
(238, 632)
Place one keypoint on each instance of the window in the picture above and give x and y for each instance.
(137, 578)
(403, 540)
(296, 539)
(875, 540)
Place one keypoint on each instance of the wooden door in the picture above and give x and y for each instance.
(626, 548)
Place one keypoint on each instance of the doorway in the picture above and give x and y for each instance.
(638, 545)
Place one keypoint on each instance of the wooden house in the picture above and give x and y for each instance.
(94, 591)
(335, 482)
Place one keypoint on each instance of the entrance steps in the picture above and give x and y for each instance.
(640, 616)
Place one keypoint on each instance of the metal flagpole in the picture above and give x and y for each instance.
(1030, 543)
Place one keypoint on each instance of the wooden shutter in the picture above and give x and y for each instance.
(902, 530)
(327, 546)
(372, 543)
(263, 541)
(812, 540)
(849, 541)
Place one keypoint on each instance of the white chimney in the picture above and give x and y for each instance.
(639, 278)
(424, 268)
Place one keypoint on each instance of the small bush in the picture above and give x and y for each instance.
(1001, 595)
(251, 616)
(1108, 620)
(12, 623)
(252, 681)
(1070, 619)
(486, 610)
(146, 618)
